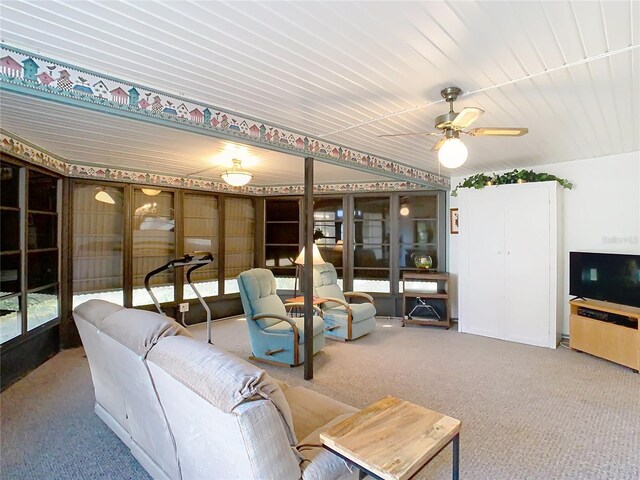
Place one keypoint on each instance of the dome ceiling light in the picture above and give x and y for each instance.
(237, 176)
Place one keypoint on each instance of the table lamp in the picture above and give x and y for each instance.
(299, 261)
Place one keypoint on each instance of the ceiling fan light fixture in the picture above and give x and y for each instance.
(237, 176)
(453, 153)
(466, 117)
(498, 131)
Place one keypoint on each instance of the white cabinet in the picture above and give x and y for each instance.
(510, 262)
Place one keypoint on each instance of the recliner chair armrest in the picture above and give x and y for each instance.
(338, 300)
(261, 316)
(359, 294)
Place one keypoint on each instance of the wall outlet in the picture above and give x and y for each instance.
(183, 307)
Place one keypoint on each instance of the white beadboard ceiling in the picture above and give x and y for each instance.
(348, 72)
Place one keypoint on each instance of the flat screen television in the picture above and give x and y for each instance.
(610, 277)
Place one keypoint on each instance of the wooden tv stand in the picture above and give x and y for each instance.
(617, 343)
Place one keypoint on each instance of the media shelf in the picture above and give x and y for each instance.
(606, 330)
(416, 286)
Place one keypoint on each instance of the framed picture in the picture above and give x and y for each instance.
(453, 220)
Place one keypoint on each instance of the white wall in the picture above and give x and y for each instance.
(601, 213)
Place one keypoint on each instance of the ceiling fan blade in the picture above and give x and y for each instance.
(466, 117)
(439, 144)
(498, 131)
(407, 134)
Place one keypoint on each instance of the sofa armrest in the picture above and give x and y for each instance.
(266, 445)
(311, 410)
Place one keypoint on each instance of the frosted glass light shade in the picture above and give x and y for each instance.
(237, 176)
(317, 258)
(453, 153)
(150, 191)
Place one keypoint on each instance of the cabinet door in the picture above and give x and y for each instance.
(482, 292)
(527, 264)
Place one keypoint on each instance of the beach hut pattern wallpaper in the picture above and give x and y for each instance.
(37, 75)
(12, 144)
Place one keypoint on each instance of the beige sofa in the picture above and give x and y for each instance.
(189, 410)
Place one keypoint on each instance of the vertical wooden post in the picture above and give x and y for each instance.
(127, 245)
(307, 281)
(69, 336)
(222, 246)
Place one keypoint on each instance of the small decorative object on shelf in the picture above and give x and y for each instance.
(422, 261)
(481, 180)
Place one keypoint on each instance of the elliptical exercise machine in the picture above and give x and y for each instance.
(194, 260)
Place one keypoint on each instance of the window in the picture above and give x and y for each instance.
(42, 249)
(239, 227)
(282, 239)
(371, 242)
(98, 226)
(201, 235)
(328, 231)
(29, 254)
(154, 244)
(418, 231)
(10, 253)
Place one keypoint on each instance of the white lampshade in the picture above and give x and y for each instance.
(317, 258)
(453, 153)
(237, 176)
(104, 197)
(150, 191)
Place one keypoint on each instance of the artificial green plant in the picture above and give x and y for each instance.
(481, 180)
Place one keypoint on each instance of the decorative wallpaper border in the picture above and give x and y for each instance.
(40, 75)
(14, 145)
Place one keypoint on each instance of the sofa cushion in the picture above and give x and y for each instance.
(319, 463)
(219, 377)
(359, 312)
(95, 311)
(284, 327)
(311, 410)
(140, 330)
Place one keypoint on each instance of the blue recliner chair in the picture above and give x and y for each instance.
(345, 321)
(275, 337)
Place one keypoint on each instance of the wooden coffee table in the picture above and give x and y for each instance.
(393, 439)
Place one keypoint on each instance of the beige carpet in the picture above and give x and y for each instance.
(527, 412)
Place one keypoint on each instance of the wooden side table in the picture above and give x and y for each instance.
(300, 300)
(413, 436)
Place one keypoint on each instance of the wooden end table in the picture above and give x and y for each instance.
(393, 439)
(300, 299)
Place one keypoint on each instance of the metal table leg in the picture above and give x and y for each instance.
(456, 457)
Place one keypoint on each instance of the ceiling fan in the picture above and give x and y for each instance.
(451, 151)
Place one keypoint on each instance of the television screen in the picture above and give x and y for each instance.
(605, 276)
